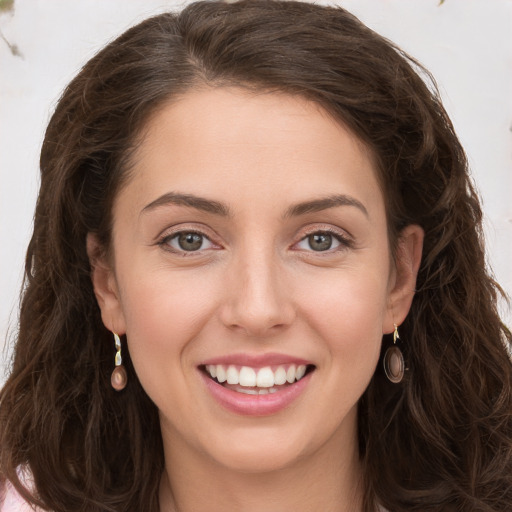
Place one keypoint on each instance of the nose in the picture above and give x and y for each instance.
(258, 300)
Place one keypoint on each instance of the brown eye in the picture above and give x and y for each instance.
(187, 241)
(323, 241)
(320, 241)
(190, 241)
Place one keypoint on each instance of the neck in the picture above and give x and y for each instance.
(328, 480)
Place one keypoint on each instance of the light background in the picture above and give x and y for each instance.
(465, 43)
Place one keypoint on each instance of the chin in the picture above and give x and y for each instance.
(262, 451)
(259, 461)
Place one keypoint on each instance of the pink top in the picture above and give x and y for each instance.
(11, 501)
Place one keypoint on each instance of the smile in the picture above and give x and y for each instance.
(256, 389)
(256, 381)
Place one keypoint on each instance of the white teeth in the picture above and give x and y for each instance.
(247, 377)
(247, 391)
(264, 391)
(301, 371)
(221, 373)
(264, 378)
(280, 376)
(290, 374)
(232, 375)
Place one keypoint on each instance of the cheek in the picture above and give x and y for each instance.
(348, 312)
(164, 311)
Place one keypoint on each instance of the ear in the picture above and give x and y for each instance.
(105, 286)
(403, 283)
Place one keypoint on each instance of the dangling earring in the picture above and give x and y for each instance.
(394, 364)
(119, 378)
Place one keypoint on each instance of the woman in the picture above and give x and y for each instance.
(256, 282)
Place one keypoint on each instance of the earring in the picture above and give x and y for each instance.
(119, 378)
(394, 364)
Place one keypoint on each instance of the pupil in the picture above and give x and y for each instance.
(320, 242)
(190, 241)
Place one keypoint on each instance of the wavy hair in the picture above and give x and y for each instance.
(439, 441)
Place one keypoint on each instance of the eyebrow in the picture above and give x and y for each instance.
(218, 208)
(199, 203)
(324, 203)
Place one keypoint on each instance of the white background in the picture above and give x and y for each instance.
(465, 43)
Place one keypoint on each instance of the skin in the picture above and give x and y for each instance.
(255, 286)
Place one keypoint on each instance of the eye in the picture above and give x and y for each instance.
(321, 241)
(188, 241)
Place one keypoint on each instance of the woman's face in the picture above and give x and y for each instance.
(251, 241)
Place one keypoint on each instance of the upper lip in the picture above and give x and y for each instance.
(256, 360)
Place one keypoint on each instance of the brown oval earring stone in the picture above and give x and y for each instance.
(119, 378)
(394, 364)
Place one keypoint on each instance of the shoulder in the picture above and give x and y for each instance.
(11, 501)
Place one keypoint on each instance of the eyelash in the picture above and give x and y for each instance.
(344, 241)
(164, 242)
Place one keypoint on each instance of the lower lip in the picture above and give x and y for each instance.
(255, 405)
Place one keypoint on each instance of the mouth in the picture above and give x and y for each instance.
(250, 380)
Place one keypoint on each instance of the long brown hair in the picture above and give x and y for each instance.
(439, 441)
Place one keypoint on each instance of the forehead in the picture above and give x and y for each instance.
(236, 145)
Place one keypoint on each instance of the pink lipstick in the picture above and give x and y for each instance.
(256, 385)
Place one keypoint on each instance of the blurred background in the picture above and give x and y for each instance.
(43, 44)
